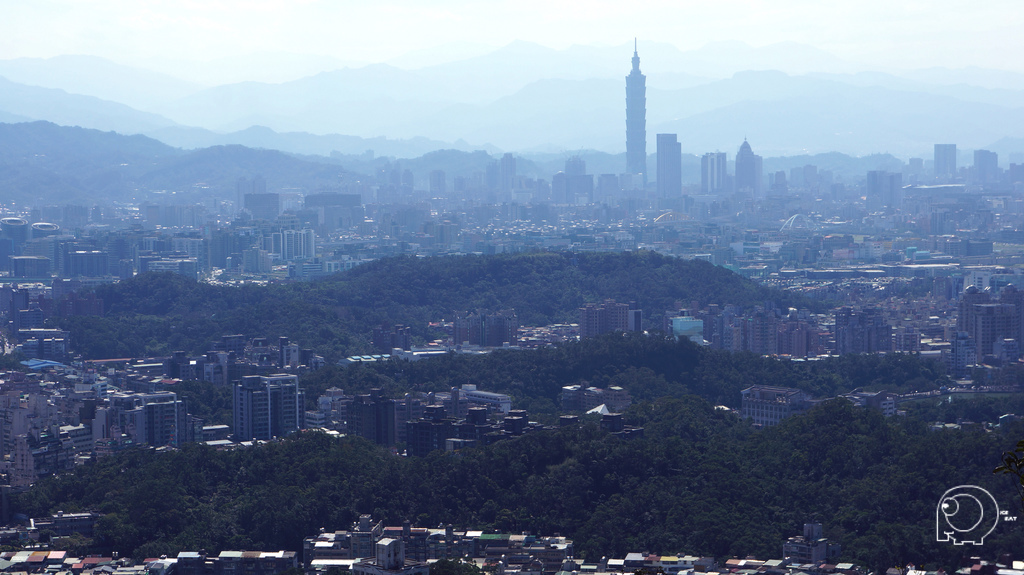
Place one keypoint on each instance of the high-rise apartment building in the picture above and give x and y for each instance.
(296, 244)
(596, 319)
(862, 331)
(712, 172)
(986, 167)
(438, 185)
(884, 189)
(245, 186)
(267, 406)
(486, 329)
(372, 416)
(156, 419)
(636, 119)
(579, 185)
(945, 160)
(507, 172)
(987, 319)
(670, 166)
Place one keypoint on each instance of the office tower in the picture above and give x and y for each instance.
(580, 189)
(507, 172)
(438, 186)
(777, 182)
(575, 166)
(748, 170)
(373, 416)
(493, 175)
(263, 206)
(244, 186)
(267, 406)
(810, 176)
(884, 189)
(579, 186)
(85, 263)
(670, 166)
(712, 172)
(636, 119)
(914, 170)
(1016, 173)
(945, 160)
(986, 167)
(607, 187)
(560, 189)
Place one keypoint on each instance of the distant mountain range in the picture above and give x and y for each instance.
(43, 163)
(786, 99)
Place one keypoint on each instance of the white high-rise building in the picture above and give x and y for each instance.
(298, 244)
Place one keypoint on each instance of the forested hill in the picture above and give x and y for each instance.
(44, 162)
(701, 482)
(649, 368)
(160, 313)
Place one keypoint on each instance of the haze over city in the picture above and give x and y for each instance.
(511, 288)
(792, 76)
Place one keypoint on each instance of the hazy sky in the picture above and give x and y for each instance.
(878, 33)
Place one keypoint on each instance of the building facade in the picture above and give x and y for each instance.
(636, 119)
(267, 406)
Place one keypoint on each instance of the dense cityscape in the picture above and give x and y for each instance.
(918, 263)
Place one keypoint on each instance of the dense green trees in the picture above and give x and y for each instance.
(700, 481)
(649, 367)
(155, 314)
(454, 567)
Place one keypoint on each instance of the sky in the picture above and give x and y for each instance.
(877, 34)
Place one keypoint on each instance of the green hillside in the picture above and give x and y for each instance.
(158, 314)
(700, 481)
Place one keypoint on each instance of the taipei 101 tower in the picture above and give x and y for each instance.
(636, 119)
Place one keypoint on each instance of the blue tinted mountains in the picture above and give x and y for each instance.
(787, 98)
(44, 161)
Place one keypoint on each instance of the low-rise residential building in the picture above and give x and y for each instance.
(767, 405)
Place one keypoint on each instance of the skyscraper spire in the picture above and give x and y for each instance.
(636, 119)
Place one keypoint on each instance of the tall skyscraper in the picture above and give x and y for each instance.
(712, 172)
(438, 186)
(986, 167)
(748, 170)
(670, 166)
(884, 189)
(508, 172)
(636, 119)
(945, 160)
